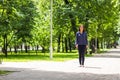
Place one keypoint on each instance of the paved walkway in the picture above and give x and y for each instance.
(100, 67)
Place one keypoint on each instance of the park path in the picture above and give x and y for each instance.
(100, 67)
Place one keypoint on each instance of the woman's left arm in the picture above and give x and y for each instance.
(86, 41)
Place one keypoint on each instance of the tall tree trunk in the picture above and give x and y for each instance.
(43, 49)
(10, 50)
(21, 48)
(36, 50)
(104, 46)
(70, 47)
(15, 49)
(62, 44)
(92, 46)
(59, 37)
(5, 45)
(26, 50)
(98, 43)
(4, 49)
(66, 47)
(37, 47)
(101, 45)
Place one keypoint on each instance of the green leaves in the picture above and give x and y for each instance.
(17, 17)
(29, 20)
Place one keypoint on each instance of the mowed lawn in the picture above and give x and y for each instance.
(2, 72)
(23, 57)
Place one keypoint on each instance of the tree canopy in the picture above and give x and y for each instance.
(28, 22)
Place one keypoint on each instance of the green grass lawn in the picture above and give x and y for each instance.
(23, 57)
(4, 72)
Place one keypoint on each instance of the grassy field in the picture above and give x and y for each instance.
(4, 72)
(40, 57)
(24, 57)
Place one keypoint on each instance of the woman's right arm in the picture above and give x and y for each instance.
(76, 42)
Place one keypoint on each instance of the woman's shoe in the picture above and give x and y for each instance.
(82, 66)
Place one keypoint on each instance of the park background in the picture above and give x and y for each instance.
(25, 27)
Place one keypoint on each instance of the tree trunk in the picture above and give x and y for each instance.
(36, 50)
(92, 46)
(21, 48)
(43, 50)
(37, 47)
(26, 50)
(101, 45)
(98, 43)
(70, 47)
(62, 44)
(15, 49)
(4, 50)
(10, 50)
(66, 47)
(58, 49)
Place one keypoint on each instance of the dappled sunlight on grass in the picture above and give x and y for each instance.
(24, 57)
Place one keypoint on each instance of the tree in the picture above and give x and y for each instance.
(8, 13)
(28, 9)
(17, 20)
(41, 30)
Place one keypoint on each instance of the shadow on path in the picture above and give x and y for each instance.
(93, 67)
(51, 75)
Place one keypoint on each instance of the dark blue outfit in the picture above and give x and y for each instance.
(81, 41)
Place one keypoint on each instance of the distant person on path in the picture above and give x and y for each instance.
(81, 44)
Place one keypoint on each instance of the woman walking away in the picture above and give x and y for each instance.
(81, 44)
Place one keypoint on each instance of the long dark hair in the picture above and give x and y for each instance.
(83, 28)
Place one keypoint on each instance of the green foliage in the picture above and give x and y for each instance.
(28, 21)
(17, 21)
(41, 30)
(100, 18)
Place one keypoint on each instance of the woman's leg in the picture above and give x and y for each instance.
(80, 56)
(83, 54)
(80, 61)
